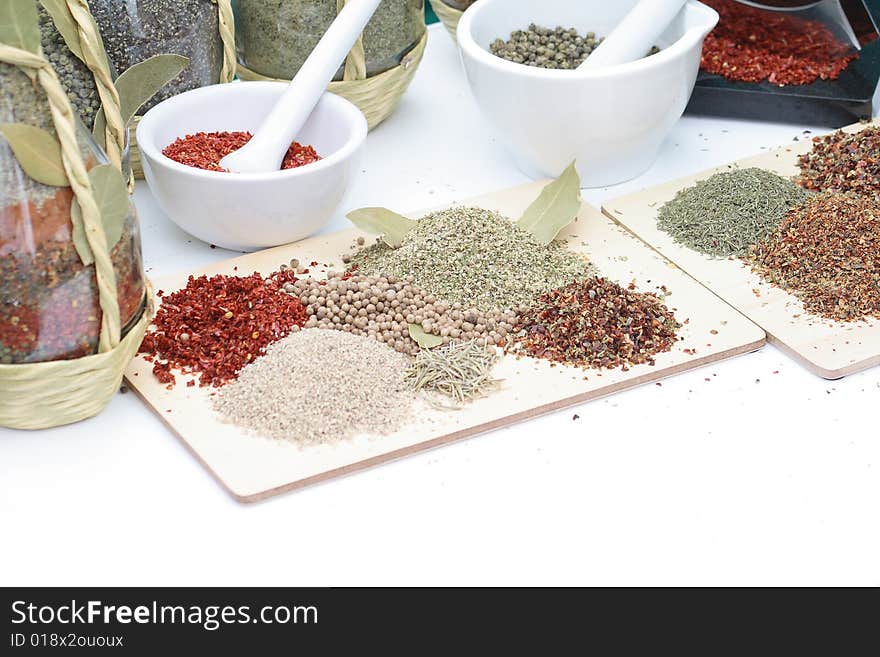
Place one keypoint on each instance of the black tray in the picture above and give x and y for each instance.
(831, 103)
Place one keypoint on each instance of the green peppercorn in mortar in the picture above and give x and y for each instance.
(729, 212)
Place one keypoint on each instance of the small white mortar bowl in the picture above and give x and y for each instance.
(249, 211)
(612, 121)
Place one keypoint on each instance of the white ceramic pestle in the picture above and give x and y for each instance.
(266, 149)
(635, 35)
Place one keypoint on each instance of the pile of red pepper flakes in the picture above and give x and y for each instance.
(596, 324)
(204, 150)
(843, 162)
(751, 45)
(215, 326)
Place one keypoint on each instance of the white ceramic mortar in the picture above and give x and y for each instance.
(249, 211)
(613, 120)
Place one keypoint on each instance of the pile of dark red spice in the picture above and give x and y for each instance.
(596, 324)
(215, 326)
(827, 252)
(204, 150)
(843, 162)
(752, 45)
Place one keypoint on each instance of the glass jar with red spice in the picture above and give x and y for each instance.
(49, 299)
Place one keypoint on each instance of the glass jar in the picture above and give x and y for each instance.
(49, 307)
(274, 37)
(135, 30)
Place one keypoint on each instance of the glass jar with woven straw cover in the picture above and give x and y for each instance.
(274, 37)
(201, 30)
(49, 293)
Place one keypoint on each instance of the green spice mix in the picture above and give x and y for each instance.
(727, 213)
(476, 258)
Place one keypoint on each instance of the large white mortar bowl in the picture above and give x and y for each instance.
(249, 211)
(612, 121)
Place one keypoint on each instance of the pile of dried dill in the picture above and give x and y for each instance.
(729, 212)
(596, 324)
(843, 162)
(476, 258)
(827, 252)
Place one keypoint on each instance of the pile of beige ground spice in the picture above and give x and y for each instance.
(317, 386)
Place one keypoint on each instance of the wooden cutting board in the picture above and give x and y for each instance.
(827, 348)
(253, 468)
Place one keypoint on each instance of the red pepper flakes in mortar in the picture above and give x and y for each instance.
(752, 45)
(596, 324)
(215, 326)
(204, 150)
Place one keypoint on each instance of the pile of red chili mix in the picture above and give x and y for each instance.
(596, 324)
(827, 252)
(204, 150)
(215, 326)
(752, 45)
(843, 162)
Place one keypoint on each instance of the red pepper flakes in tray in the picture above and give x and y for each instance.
(215, 326)
(204, 150)
(753, 45)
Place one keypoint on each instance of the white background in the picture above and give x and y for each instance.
(751, 471)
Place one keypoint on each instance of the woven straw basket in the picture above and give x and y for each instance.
(42, 395)
(448, 15)
(376, 96)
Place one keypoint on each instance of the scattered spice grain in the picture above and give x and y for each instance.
(730, 211)
(827, 252)
(753, 45)
(354, 386)
(843, 162)
(204, 150)
(476, 258)
(596, 324)
(215, 326)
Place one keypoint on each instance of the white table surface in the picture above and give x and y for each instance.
(751, 471)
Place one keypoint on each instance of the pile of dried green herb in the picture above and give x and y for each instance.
(827, 252)
(596, 324)
(729, 212)
(476, 258)
(843, 162)
(460, 370)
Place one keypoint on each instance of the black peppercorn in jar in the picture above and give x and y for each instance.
(274, 37)
(135, 30)
(49, 300)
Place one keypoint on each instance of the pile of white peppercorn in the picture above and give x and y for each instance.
(383, 307)
(543, 47)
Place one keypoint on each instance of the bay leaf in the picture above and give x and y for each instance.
(423, 339)
(20, 25)
(138, 84)
(392, 227)
(555, 208)
(65, 24)
(78, 234)
(37, 151)
(111, 195)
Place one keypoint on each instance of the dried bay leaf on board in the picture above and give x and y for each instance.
(423, 339)
(20, 25)
(38, 153)
(392, 227)
(139, 83)
(555, 208)
(65, 24)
